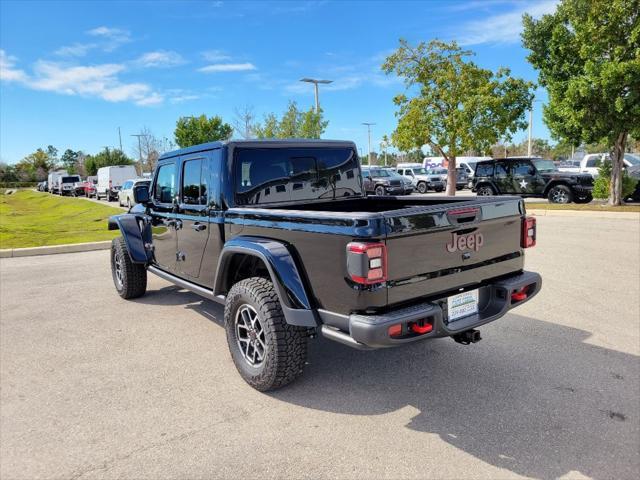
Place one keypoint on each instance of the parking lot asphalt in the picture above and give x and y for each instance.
(93, 386)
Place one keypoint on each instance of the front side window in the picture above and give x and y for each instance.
(419, 171)
(164, 190)
(545, 165)
(522, 167)
(592, 163)
(268, 175)
(194, 187)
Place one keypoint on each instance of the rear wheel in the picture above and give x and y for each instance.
(267, 351)
(560, 194)
(485, 191)
(422, 187)
(130, 279)
(379, 190)
(128, 203)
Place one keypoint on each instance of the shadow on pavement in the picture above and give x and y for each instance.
(532, 397)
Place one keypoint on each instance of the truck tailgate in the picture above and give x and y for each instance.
(434, 249)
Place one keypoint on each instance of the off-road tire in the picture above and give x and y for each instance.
(422, 187)
(133, 282)
(286, 345)
(379, 191)
(485, 190)
(560, 191)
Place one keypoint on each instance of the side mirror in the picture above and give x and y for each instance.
(141, 194)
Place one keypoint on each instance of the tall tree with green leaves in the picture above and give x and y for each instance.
(196, 130)
(294, 123)
(69, 160)
(588, 57)
(106, 158)
(451, 104)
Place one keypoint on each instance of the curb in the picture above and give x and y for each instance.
(541, 212)
(54, 249)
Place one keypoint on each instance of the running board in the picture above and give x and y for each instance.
(197, 289)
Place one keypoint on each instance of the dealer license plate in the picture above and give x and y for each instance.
(462, 305)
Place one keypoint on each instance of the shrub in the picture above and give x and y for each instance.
(18, 184)
(601, 184)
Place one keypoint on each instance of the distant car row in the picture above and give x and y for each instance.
(590, 163)
(111, 183)
(406, 178)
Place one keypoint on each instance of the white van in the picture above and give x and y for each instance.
(53, 180)
(110, 180)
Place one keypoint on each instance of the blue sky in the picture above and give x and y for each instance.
(71, 73)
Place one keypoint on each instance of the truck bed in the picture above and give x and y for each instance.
(416, 232)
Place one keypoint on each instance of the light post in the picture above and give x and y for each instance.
(368, 124)
(529, 146)
(315, 84)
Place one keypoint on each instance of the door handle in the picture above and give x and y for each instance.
(198, 227)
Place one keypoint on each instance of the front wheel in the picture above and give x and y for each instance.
(485, 191)
(267, 351)
(422, 187)
(130, 279)
(379, 191)
(560, 194)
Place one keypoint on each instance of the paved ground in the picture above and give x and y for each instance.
(93, 386)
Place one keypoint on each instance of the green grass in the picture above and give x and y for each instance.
(33, 219)
(591, 207)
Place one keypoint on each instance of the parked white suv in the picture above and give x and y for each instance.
(590, 162)
(125, 195)
(419, 177)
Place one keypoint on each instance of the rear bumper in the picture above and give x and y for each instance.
(371, 331)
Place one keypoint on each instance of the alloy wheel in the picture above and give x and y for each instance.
(250, 335)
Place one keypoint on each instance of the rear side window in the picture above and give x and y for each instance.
(484, 170)
(502, 170)
(268, 175)
(194, 185)
(164, 190)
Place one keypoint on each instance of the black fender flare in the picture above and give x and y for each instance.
(284, 273)
(136, 231)
(554, 183)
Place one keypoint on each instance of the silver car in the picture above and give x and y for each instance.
(125, 195)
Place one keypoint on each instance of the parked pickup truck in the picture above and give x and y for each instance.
(282, 234)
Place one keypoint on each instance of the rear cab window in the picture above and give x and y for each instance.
(271, 175)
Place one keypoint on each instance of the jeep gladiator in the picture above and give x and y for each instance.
(282, 234)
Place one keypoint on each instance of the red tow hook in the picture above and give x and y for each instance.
(426, 328)
(519, 295)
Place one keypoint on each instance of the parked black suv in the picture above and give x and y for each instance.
(531, 177)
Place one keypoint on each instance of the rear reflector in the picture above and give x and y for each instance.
(367, 262)
(395, 330)
(528, 236)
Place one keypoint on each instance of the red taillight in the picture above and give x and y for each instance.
(367, 262)
(528, 237)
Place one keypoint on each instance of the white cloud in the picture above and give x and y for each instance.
(505, 27)
(75, 50)
(227, 67)
(112, 38)
(92, 81)
(160, 58)
(8, 72)
(215, 56)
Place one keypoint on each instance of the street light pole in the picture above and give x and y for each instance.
(315, 84)
(530, 127)
(369, 133)
(139, 146)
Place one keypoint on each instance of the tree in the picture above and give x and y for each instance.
(35, 166)
(148, 149)
(244, 122)
(196, 130)
(587, 54)
(69, 160)
(293, 124)
(105, 158)
(456, 106)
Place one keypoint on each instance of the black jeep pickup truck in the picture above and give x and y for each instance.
(283, 235)
(531, 177)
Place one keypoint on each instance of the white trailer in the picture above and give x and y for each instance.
(110, 180)
(53, 180)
